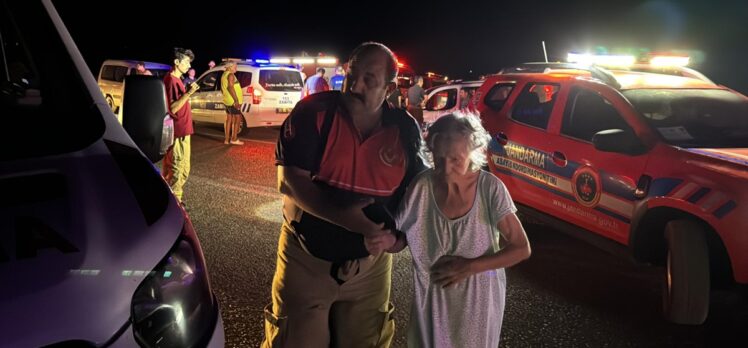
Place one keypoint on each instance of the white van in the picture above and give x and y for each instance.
(445, 99)
(113, 72)
(95, 250)
(270, 93)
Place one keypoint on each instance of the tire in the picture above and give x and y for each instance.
(110, 102)
(243, 130)
(687, 285)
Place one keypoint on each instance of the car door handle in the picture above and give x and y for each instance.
(559, 159)
(501, 138)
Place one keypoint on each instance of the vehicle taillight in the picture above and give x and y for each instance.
(256, 95)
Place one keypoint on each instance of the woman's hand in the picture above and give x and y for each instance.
(377, 244)
(449, 270)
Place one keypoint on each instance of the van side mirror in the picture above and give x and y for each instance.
(618, 141)
(145, 117)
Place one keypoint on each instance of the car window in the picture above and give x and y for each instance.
(244, 77)
(281, 80)
(107, 72)
(442, 100)
(120, 72)
(470, 97)
(42, 91)
(587, 113)
(533, 107)
(210, 82)
(497, 96)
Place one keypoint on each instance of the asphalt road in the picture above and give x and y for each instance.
(568, 294)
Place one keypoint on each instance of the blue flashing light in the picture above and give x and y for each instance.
(262, 61)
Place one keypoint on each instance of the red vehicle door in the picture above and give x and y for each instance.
(597, 188)
(517, 114)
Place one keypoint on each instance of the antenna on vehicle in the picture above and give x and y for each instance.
(545, 53)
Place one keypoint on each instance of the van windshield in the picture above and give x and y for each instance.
(281, 80)
(43, 95)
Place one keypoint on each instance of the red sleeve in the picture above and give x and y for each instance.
(172, 93)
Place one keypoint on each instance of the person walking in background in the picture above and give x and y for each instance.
(190, 77)
(416, 100)
(316, 83)
(396, 99)
(336, 82)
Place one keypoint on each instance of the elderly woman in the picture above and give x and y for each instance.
(460, 225)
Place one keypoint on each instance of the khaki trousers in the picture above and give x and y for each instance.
(310, 309)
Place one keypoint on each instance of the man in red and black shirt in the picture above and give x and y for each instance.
(176, 165)
(336, 154)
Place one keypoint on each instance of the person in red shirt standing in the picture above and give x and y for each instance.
(344, 160)
(176, 166)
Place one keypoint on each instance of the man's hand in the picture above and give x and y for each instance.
(449, 270)
(377, 244)
(193, 88)
(353, 219)
(237, 106)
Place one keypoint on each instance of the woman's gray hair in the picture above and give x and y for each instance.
(466, 123)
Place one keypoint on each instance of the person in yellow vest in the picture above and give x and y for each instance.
(232, 100)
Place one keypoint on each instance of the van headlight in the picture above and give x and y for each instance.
(174, 305)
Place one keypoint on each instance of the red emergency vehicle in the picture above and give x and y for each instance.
(654, 162)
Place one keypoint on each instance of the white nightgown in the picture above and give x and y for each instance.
(469, 313)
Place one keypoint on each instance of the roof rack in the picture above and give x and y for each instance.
(543, 68)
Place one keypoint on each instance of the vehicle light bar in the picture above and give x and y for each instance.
(602, 60)
(664, 61)
(303, 60)
(327, 61)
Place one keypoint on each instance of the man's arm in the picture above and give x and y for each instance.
(179, 103)
(297, 184)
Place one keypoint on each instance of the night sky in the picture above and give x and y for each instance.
(448, 37)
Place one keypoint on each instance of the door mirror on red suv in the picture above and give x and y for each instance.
(145, 117)
(618, 141)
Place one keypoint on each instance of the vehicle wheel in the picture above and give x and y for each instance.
(243, 130)
(686, 290)
(110, 102)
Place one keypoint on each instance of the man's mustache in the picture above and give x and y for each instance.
(357, 96)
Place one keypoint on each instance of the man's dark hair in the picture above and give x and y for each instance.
(369, 47)
(417, 79)
(320, 70)
(140, 63)
(181, 53)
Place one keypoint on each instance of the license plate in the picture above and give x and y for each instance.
(282, 110)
